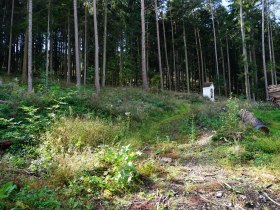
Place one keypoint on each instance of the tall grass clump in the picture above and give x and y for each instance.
(79, 133)
(82, 154)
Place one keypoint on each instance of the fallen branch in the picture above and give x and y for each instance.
(229, 187)
(273, 201)
(214, 203)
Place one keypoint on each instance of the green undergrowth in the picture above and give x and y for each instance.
(84, 148)
(254, 147)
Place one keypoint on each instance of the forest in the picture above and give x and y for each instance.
(103, 104)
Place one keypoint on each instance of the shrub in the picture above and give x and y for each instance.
(28, 198)
(230, 127)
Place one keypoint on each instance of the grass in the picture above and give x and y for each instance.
(86, 148)
(255, 149)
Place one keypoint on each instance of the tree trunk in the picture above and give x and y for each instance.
(159, 50)
(121, 59)
(198, 58)
(245, 56)
(30, 46)
(85, 48)
(224, 70)
(68, 51)
(11, 38)
(51, 66)
(166, 54)
(252, 80)
(273, 55)
(269, 44)
(24, 63)
(263, 52)
(147, 47)
(201, 57)
(174, 57)
(215, 43)
(229, 69)
(77, 46)
(143, 43)
(105, 43)
(249, 118)
(256, 70)
(47, 45)
(96, 68)
(186, 59)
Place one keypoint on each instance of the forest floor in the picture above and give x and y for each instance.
(129, 150)
(197, 181)
(196, 178)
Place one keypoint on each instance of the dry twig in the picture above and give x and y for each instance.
(273, 201)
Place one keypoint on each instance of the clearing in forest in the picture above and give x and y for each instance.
(128, 150)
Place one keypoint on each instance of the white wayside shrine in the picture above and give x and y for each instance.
(208, 90)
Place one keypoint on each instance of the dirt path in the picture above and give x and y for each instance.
(197, 182)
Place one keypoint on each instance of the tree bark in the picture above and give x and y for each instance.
(248, 117)
(269, 45)
(68, 51)
(201, 57)
(186, 59)
(159, 50)
(11, 38)
(47, 45)
(256, 70)
(166, 54)
(273, 55)
(30, 46)
(215, 43)
(77, 46)
(143, 43)
(198, 58)
(174, 57)
(147, 48)
(24, 63)
(252, 79)
(263, 52)
(97, 84)
(105, 43)
(224, 70)
(229, 68)
(245, 56)
(85, 47)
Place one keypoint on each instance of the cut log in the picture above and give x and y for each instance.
(249, 118)
(274, 94)
(5, 144)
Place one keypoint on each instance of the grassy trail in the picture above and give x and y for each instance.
(151, 129)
